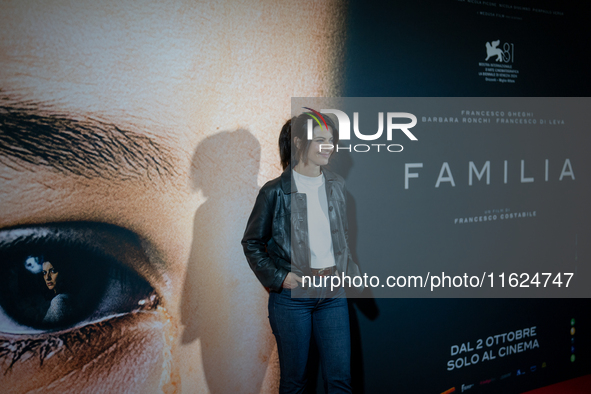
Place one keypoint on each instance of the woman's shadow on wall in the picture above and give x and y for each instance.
(219, 303)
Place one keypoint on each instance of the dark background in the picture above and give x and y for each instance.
(432, 49)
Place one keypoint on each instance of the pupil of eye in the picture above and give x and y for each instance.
(90, 285)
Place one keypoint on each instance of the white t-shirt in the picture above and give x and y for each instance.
(321, 250)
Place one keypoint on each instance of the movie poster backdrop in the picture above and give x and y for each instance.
(134, 138)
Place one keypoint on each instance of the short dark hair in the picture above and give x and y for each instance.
(298, 127)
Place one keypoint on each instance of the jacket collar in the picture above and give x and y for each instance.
(288, 183)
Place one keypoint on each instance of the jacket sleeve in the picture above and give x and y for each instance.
(256, 236)
(352, 267)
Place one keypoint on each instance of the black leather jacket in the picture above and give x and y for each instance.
(278, 229)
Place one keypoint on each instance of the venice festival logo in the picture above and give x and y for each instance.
(504, 55)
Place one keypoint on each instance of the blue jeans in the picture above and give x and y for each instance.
(293, 321)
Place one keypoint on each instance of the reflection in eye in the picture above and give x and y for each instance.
(61, 276)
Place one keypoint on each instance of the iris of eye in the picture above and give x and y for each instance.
(75, 285)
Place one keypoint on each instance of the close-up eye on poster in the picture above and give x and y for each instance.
(295, 197)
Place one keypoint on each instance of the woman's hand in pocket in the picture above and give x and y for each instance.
(291, 281)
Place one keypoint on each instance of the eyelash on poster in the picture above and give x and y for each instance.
(45, 345)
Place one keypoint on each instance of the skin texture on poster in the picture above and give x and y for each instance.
(133, 139)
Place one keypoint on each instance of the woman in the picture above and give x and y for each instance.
(60, 308)
(298, 227)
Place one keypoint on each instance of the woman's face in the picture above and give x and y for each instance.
(103, 108)
(321, 146)
(50, 275)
